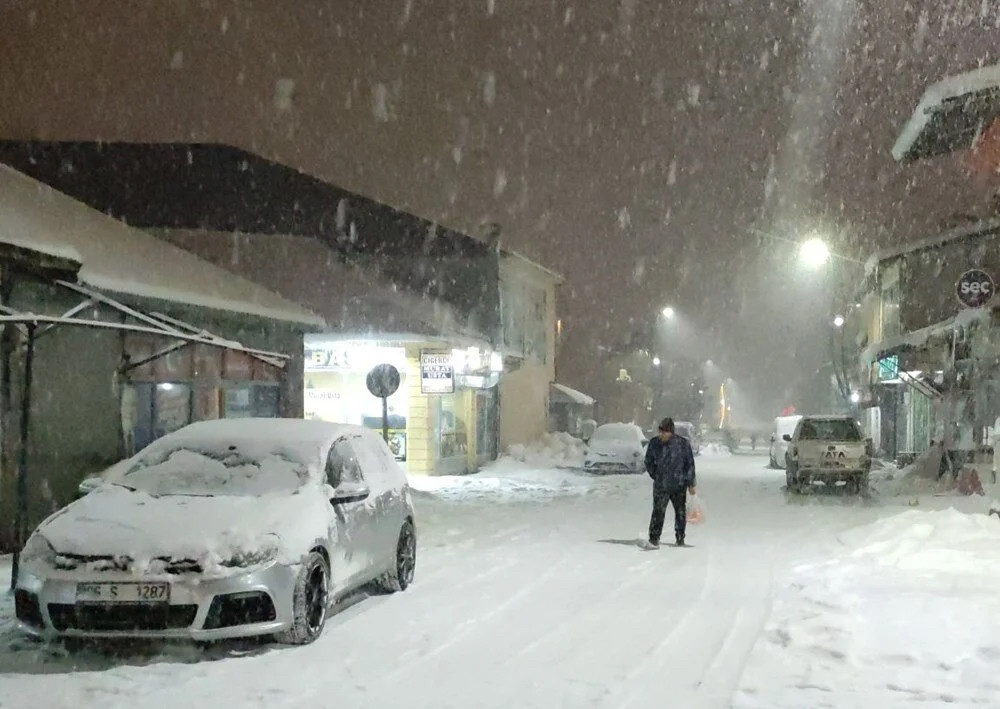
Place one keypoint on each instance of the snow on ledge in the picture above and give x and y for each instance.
(576, 397)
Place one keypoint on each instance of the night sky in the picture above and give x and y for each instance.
(638, 147)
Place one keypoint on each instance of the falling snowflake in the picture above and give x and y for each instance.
(499, 182)
(489, 88)
(672, 173)
(177, 61)
(284, 90)
(380, 102)
(694, 93)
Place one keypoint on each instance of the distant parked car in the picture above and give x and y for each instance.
(616, 448)
(827, 449)
(224, 529)
(690, 432)
(783, 426)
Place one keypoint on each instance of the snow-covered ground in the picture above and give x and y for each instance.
(823, 600)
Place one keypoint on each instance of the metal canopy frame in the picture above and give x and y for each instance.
(36, 325)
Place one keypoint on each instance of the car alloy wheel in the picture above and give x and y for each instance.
(406, 556)
(310, 602)
(316, 599)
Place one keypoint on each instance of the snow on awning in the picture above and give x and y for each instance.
(920, 338)
(951, 115)
(116, 257)
(562, 394)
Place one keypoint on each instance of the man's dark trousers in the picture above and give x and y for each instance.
(661, 498)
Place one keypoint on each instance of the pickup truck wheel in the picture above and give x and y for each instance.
(792, 480)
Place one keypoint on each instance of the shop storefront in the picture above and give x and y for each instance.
(443, 418)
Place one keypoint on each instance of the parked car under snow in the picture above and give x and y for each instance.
(616, 448)
(232, 528)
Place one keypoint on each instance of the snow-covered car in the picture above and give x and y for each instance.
(616, 448)
(828, 449)
(783, 426)
(688, 430)
(230, 528)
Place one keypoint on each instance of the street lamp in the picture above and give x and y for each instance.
(838, 321)
(656, 361)
(668, 313)
(814, 252)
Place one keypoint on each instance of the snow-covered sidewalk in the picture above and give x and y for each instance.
(907, 613)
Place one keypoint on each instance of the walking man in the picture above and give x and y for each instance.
(670, 462)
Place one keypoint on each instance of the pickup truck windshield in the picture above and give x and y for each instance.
(830, 430)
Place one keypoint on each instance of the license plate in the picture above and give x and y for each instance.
(123, 592)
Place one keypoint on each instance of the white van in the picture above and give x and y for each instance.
(783, 426)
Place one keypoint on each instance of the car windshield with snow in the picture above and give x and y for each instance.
(189, 470)
(616, 448)
(228, 536)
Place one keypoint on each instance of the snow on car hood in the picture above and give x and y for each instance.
(614, 449)
(215, 532)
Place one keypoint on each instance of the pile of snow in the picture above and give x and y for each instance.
(945, 542)
(907, 614)
(553, 450)
(715, 450)
(505, 481)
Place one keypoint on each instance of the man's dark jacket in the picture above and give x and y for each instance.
(670, 464)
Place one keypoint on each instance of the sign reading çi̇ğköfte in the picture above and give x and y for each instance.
(975, 288)
(437, 372)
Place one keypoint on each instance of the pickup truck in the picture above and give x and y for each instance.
(827, 449)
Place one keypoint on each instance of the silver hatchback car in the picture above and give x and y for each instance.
(224, 529)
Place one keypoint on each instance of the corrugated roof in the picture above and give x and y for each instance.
(118, 258)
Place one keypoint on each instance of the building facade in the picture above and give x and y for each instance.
(392, 287)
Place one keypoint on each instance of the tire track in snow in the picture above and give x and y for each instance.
(467, 629)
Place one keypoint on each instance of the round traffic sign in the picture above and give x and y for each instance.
(975, 288)
(383, 381)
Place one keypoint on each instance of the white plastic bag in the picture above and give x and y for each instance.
(695, 510)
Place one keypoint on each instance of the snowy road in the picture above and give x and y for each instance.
(526, 596)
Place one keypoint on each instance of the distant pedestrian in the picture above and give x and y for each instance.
(753, 440)
(670, 463)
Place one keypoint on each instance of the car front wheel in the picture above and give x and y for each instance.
(310, 603)
(400, 578)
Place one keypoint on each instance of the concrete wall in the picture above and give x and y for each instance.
(524, 392)
(928, 277)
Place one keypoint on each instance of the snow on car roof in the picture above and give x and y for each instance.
(302, 438)
(618, 430)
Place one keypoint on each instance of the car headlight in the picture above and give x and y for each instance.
(257, 556)
(38, 550)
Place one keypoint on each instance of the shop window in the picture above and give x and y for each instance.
(485, 425)
(251, 401)
(151, 411)
(452, 432)
(342, 465)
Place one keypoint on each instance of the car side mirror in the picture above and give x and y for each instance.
(89, 485)
(644, 443)
(347, 493)
(787, 437)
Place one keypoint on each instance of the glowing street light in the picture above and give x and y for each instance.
(656, 361)
(814, 252)
(855, 397)
(668, 313)
(838, 321)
